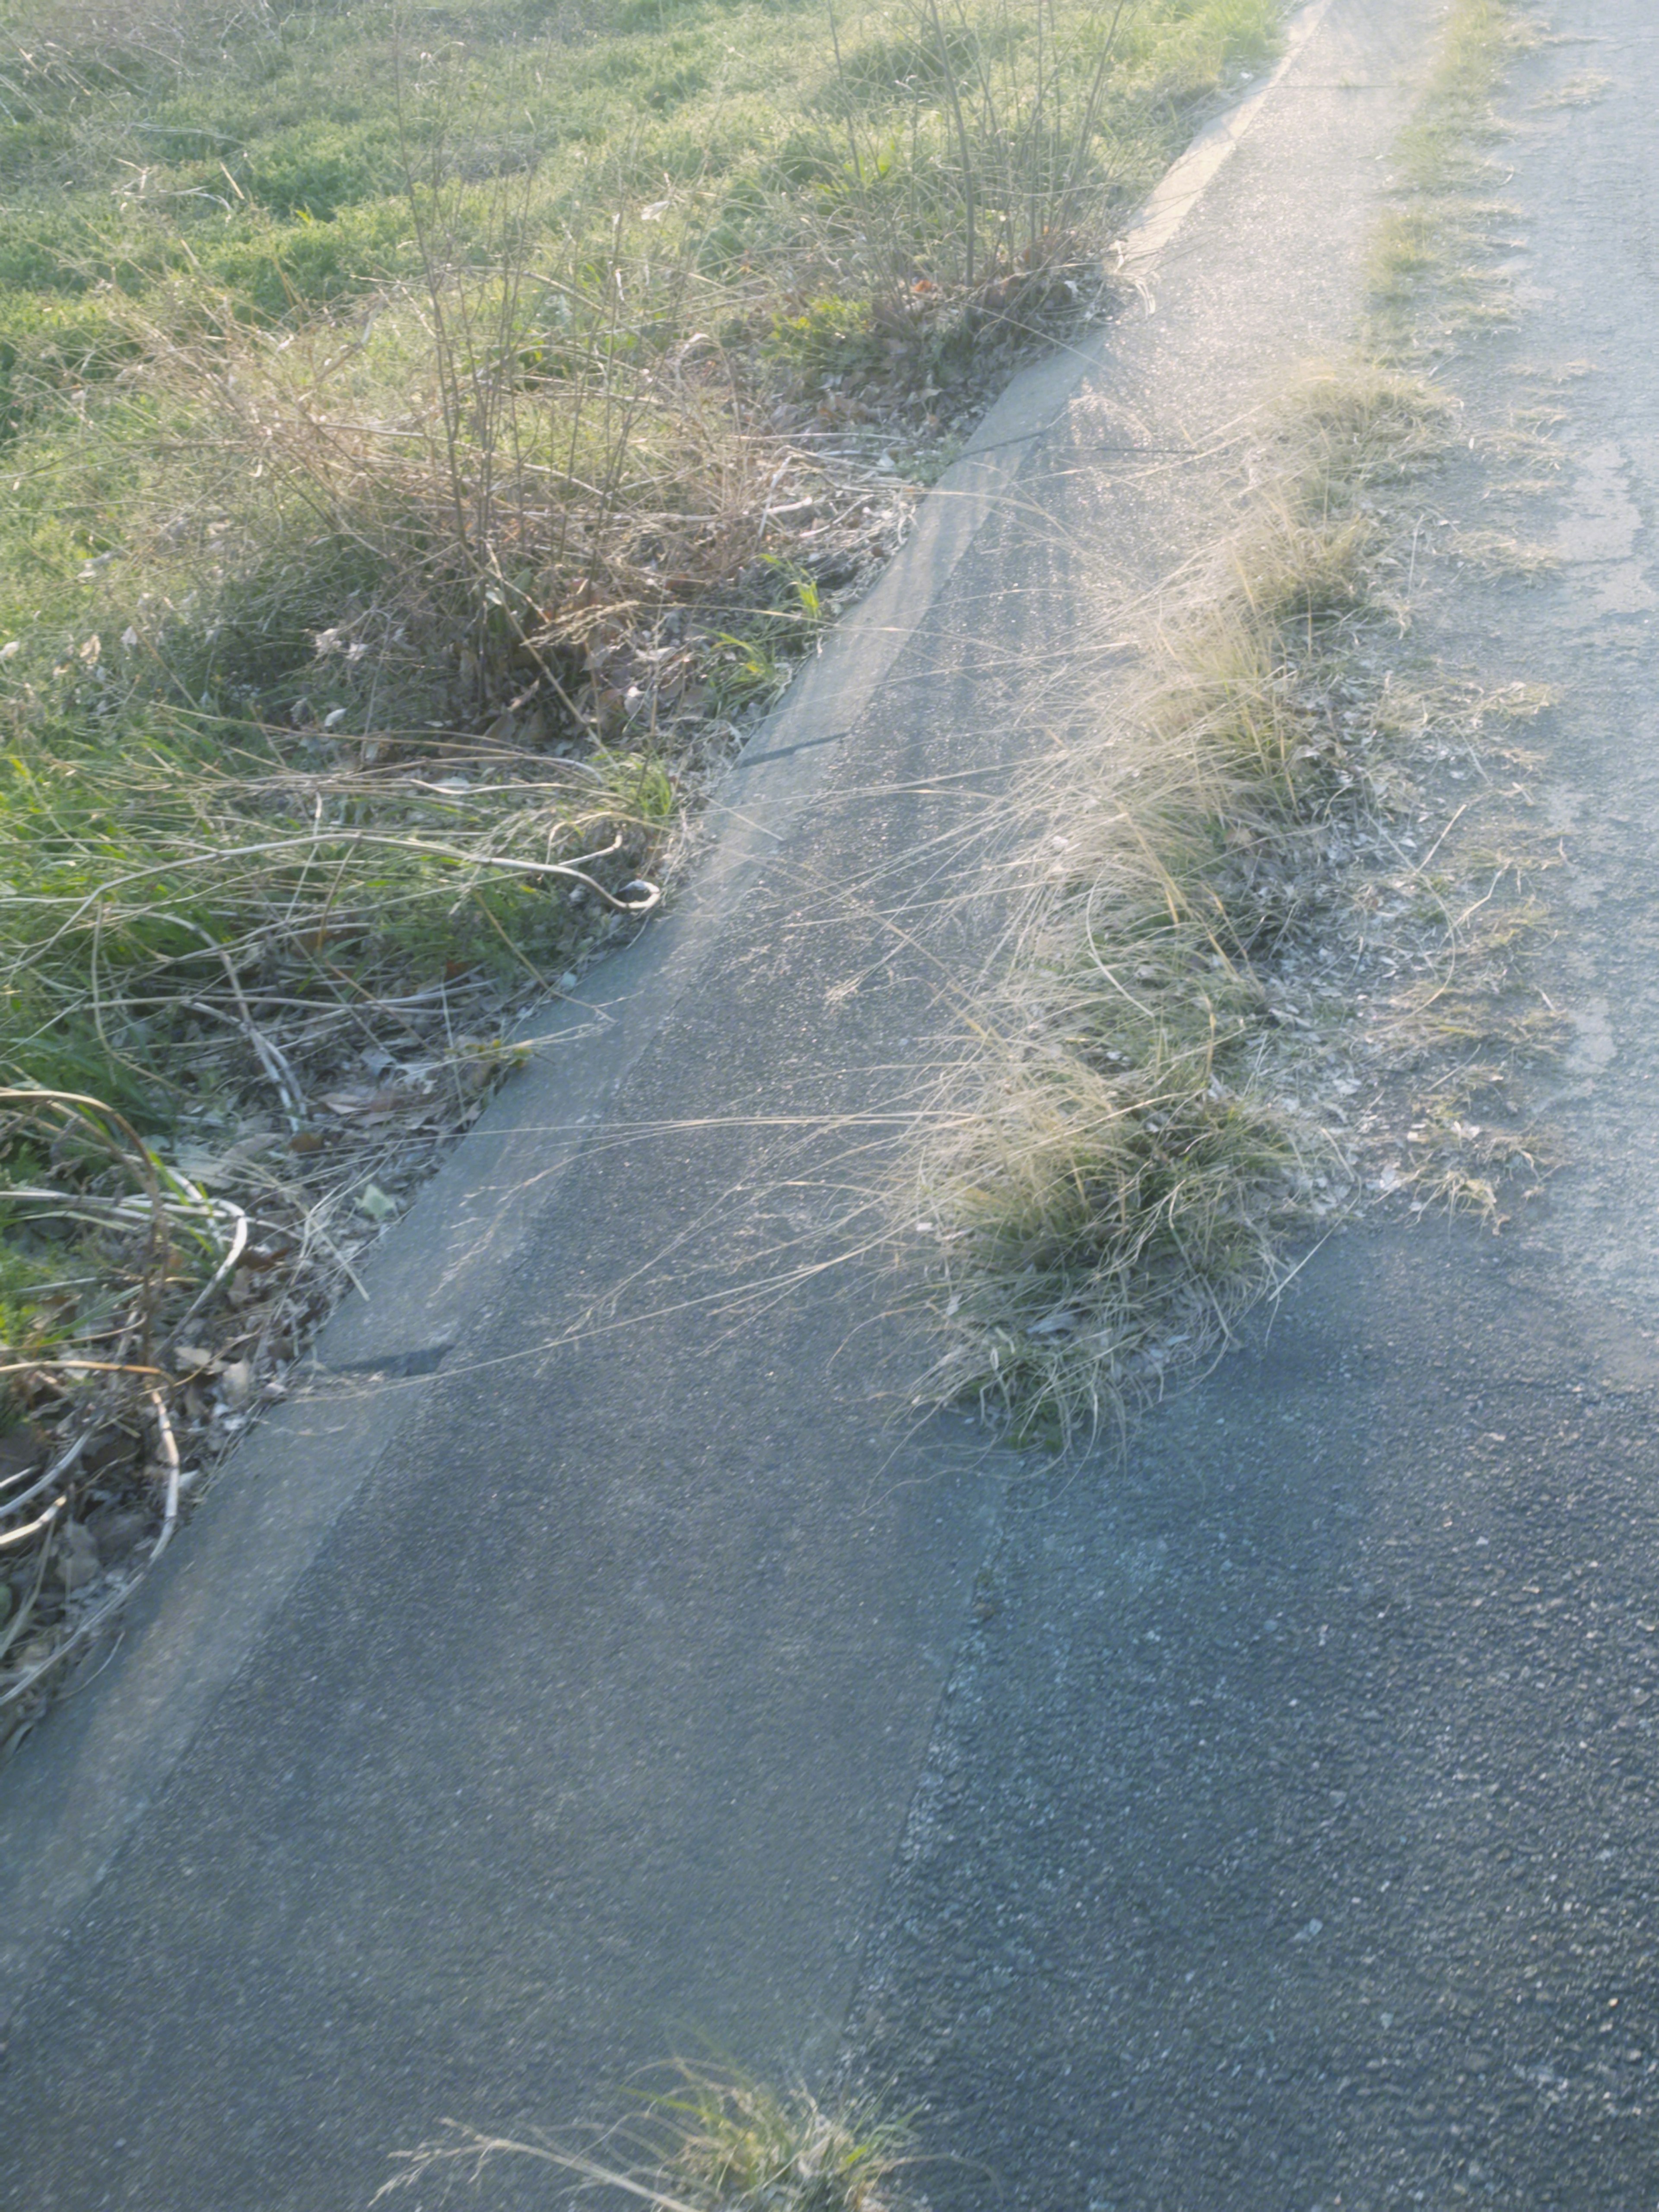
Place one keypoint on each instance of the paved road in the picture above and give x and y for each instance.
(559, 1692)
(1290, 1837)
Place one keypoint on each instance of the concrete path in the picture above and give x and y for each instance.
(1290, 1836)
(550, 1688)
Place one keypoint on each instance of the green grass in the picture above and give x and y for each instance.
(144, 870)
(268, 174)
(367, 370)
(409, 429)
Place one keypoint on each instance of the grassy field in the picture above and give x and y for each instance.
(225, 226)
(430, 436)
(378, 380)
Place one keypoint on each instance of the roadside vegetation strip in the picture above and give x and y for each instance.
(427, 448)
(1433, 282)
(1267, 969)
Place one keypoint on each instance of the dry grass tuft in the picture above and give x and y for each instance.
(709, 2143)
(1499, 553)
(1366, 427)
(1237, 930)
(1117, 1174)
(1582, 90)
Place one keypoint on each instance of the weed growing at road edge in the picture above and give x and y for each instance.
(709, 2143)
(1153, 1107)
(1115, 1170)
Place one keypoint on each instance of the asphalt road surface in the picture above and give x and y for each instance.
(1285, 1837)
(1290, 1839)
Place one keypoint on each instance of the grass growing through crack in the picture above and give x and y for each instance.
(1154, 1107)
(709, 2143)
(1432, 273)
(1118, 1179)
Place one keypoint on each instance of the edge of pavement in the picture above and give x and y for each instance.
(74, 1789)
